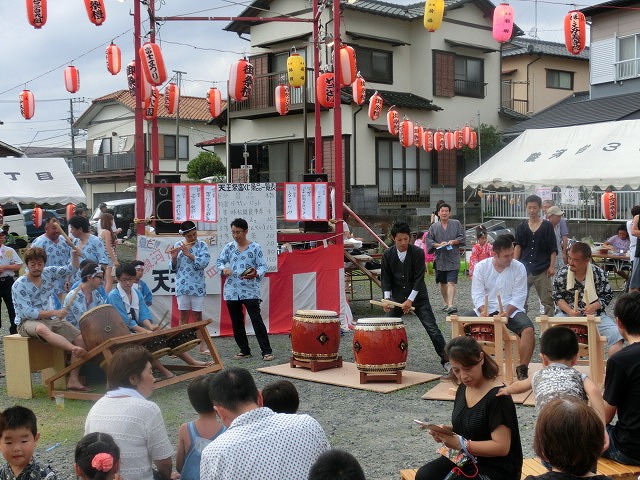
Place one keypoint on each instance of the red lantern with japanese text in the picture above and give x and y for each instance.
(70, 210)
(37, 216)
(153, 64)
(282, 99)
(131, 82)
(418, 133)
(575, 31)
(466, 134)
(96, 12)
(438, 141)
(502, 22)
(473, 140)
(27, 104)
(151, 104)
(427, 140)
(241, 80)
(326, 89)
(71, 79)
(37, 12)
(459, 141)
(449, 140)
(609, 205)
(375, 106)
(393, 121)
(359, 90)
(114, 59)
(405, 133)
(171, 98)
(348, 68)
(214, 99)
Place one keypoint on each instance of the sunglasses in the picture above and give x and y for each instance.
(99, 276)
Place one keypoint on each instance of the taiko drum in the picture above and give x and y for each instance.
(380, 344)
(581, 332)
(100, 324)
(482, 332)
(315, 335)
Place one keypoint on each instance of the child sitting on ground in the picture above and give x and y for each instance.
(281, 397)
(194, 436)
(18, 439)
(97, 457)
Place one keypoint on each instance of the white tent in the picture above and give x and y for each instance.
(38, 180)
(597, 154)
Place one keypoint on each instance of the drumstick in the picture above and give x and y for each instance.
(73, 297)
(575, 299)
(163, 323)
(388, 302)
(499, 303)
(486, 304)
(67, 239)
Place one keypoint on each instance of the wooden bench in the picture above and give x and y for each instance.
(532, 466)
(25, 355)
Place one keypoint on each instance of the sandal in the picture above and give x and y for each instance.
(241, 356)
(268, 357)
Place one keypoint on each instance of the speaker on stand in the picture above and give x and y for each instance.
(164, 204)
(321, 227)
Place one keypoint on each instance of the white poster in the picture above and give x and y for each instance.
(291, 202)
(570, 196)
(210, 196)
(320, 201)
(306, 201)
(179, 203)
(195, 203)
(544, 193)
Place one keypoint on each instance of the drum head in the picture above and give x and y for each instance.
(378, 321)
(100, 324)
(316, 313)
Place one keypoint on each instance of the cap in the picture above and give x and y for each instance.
(553, 210)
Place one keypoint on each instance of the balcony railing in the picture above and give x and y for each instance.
(467, 88)
(509, 91)
(400, 196)
(104, 163)
(627, 69)
(263, 92)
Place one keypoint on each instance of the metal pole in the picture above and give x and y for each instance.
(479, 142)
(179, 82)
(139, 141)
(337, 121)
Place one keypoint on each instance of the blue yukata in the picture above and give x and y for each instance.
(93, 250)
(236, 288)
(144, 289)
(79, 306)
(141, 311)
(190, 273)
(58, 255)
(28, 299)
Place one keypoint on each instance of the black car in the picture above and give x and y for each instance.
(35, 232)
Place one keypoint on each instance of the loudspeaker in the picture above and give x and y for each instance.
(164, 204)
(321, 227)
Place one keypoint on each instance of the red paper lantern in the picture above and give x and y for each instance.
(609, 204)
(95, 10)
(131, 82)
(37, 216)
(27, 104)
(171, 98)
(240, 80)
(466, 134)
(153, 64)
(502, 22)
(575, 28)
(449, 140)
(393, 121)
(151, 104)
(71, 79)
(283, 99)
(214, 99)
(418, 133)
(438, 141)
(114, 59)
(70, 210)
(326, 89)
(348, 69)
(473, 140)
(406, 133)
(459, 141)
(427, 140)
(359, 90)
(37, 12)
(375, 106)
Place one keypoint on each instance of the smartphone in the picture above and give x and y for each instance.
(434, 428)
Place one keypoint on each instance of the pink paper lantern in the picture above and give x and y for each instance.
(502, 22)
(71, 79)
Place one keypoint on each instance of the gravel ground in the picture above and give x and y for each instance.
(377, 428)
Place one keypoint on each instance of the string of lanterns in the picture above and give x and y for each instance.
(38, 214)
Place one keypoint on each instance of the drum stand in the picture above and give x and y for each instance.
(109, 347)
(396, 376)
(316, 365)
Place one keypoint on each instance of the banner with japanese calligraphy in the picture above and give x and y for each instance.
(306, 201)
(598, 154)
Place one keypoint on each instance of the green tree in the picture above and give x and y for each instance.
(489, 142)
(206, 164)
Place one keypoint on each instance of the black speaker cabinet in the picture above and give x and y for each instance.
(164, 204)
(321, 227)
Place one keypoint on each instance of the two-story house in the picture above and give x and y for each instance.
(444, 80)
(109, 164)
(537, 74)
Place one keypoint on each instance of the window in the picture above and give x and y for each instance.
(628, 65)
(170, 147)
(375, 65)
(457, 75)
(278, 61)
(403, 173)
(559, 79)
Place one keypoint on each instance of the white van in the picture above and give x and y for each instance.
(12, 216)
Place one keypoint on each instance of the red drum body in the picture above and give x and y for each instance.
(380, 344)
(482, 332)
(100, 324)
(580, 331)
(315, 335)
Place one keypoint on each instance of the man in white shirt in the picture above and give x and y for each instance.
(501, 276)
(258, 443)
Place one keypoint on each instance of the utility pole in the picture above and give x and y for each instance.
(179, 84)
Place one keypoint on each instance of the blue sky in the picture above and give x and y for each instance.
(37, 58)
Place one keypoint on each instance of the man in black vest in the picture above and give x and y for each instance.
(403, 270)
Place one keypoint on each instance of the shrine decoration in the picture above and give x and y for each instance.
(359, 90)
(241, 80)
(70, 211)
(214, 99)
(131, 82)
(96, 11)
(153, 63)
(171, 98)
(348, 70)
(37, 12)
(151, 104)
(438, 140)
(427, 140)
(418, 134)
(27, 104)
(433, 13)
(296, 70)
(466, 134)
(282, 99)
(405, 133)
(502, 23)
(38, 216)
(393, 121)
(473, 140)
(459, 140)
(326, 89)
(114, 58)
(375, 106)
(609, 205)
(71, 79)
(449, 140)
(575, 31)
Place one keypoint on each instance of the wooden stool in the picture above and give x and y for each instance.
(395, 376)
(25, 355)
(316, 365)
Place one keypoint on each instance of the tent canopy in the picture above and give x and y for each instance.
(38, 180)
(599, 154)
